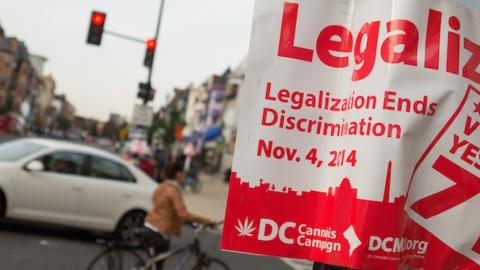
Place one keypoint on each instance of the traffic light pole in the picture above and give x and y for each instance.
(159, 21)
(94, 37)
(139, 40)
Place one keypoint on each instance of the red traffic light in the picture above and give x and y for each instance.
(151, 43)
(98, 18)
(95, 31)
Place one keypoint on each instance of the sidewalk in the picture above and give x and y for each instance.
(212, 198)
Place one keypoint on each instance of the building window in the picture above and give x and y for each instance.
(232, 91)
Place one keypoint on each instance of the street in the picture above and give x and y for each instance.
(27, 246)
(5, 138)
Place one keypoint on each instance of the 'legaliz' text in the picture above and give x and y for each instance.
(335, 45)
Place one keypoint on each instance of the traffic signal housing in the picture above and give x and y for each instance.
(145, 92)
(143, 89)
(150, 52)
(95, 31)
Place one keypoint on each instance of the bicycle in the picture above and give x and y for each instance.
(120, 255)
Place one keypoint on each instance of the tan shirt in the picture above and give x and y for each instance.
(169, 211)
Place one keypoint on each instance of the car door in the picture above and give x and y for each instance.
(51, 195)
(108, 193)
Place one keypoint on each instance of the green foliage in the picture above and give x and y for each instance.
(39, 122)
(63, 123)
(168, 123)
(93, 130)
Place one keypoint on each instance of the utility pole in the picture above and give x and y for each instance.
(157, 32)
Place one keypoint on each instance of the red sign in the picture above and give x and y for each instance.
(358, 139)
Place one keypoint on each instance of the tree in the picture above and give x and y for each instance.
(39, 122)
(64, 123)
(93, 130)
(168, 123)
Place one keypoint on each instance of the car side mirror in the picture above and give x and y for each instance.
(34, 166)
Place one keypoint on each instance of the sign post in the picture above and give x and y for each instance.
(142, 115)
(358, 140)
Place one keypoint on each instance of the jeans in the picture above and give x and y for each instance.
(157, 242)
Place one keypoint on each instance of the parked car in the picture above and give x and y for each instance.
(11, 124)
(74, 185)
(138, 153)
(145, 163)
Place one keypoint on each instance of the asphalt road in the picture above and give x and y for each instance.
(5, 138)
(26, 247)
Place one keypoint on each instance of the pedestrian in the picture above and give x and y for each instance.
(161, 160)
(169, 212)
(192, 173)
(228, 172)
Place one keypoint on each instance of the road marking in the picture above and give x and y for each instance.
(44, 243)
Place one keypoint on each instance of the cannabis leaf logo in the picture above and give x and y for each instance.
(245, 229)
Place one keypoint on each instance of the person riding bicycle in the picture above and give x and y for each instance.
(168, 212)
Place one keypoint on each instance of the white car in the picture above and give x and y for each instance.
(73, 185)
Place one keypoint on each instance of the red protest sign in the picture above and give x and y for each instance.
(358, 136)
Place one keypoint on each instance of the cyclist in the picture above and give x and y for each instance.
(169, 212)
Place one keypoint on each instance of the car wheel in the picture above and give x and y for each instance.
(128, 223)
(3, 204)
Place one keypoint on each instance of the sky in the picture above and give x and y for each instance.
(197, 39)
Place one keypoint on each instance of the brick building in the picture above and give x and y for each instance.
(7, 65)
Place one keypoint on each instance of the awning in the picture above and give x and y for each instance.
(212, 133)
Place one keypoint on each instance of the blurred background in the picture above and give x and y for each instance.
(63, 80)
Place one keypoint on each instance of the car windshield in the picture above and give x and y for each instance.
(13, 151)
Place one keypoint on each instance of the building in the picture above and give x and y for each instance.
(83, 126)
(24, 77)
(234, 87)
(209, 114)
(111, 128)
(179, 102)
(62, 109)
(7, 66)
(38, 63)
(116, 119)
(196, 114)
(24, 89)
(45, 94)
(216, 86)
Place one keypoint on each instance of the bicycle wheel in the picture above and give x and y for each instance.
(211, 264)
(116, 259)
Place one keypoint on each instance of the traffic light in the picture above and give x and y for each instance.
(150, 52)
(151, 94)
(145, 92)
(95, 32)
